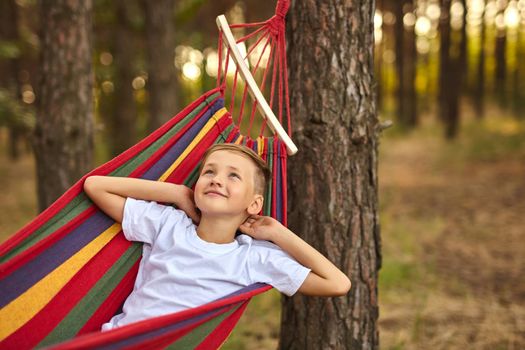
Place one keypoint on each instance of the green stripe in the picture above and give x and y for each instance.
(81, 202)
(84, 310)
(132, 164)
(76, 206)
(197, 335)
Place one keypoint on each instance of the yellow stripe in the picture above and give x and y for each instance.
(19, 311)
(211, 123)
(260, 145)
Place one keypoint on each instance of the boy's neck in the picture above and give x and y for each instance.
(218, 230)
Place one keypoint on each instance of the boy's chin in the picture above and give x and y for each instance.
(215, 212)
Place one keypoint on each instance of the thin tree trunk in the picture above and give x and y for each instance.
(63, 139)
(333, 178)
(518, 94)
(410, 53)
(123, 122)
(399, 35)
(9, 70)
(479, 92)
(501, 68)
(449, 76)
(162, 83)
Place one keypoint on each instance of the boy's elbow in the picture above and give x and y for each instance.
(92, 186)
(91, 182)
(343, 287)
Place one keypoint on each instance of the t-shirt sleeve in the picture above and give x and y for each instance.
(271, 265)
(143, 220)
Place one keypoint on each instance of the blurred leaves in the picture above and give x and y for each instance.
(15, 114)
(9, 50)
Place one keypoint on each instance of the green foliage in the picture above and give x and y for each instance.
(186, 10)
(15, 114)
(9, 49)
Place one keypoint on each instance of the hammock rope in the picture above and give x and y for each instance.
(272, 33)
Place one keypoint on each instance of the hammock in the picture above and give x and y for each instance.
(69, 270)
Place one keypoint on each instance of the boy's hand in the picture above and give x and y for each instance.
(186, 203)
(260, 227)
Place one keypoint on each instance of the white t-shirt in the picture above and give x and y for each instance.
(179, 270)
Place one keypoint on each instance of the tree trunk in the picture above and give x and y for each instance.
(333, 178)
(9, 68)
(405, 44)
(449, 74)
(63, 139)
(123, 122)
(479, 91)
(162, 83)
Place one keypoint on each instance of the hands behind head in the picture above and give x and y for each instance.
(260, 227)
(186, 202)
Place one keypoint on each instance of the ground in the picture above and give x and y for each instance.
(452, 217)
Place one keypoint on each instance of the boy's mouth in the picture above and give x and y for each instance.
(214, 193)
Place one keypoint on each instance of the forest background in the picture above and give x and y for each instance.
(451, 78)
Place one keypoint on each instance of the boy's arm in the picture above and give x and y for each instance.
(325, 279)
(109, 193)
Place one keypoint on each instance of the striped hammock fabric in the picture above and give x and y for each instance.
(69, 270)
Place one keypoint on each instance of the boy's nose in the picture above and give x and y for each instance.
(216, 180)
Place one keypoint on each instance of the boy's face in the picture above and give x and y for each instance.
(226, 185)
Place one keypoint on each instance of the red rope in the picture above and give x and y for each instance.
(273, 31)
(254, 70)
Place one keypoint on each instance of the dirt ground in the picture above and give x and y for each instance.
(454, 234)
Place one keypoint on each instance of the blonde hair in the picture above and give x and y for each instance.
(262, 173)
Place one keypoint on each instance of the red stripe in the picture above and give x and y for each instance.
(104, 169)
(113, 302)
(232, 134)
(30, 334)
(154, 158)
(162, 341)
(130, 330)
(216, 338)
(31, 253)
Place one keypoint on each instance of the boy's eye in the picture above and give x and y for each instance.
(209, 171)
(235, 175)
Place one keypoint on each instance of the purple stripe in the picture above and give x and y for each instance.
(33, 271)
(244, 290)
(279, 184)
(176, 150)
(136, 340)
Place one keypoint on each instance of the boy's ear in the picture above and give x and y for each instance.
(256, 205)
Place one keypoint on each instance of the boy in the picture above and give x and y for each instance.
(185, 265)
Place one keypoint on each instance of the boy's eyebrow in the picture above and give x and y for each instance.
(229, 166)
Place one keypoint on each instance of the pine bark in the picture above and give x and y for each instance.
(162, 83)
(123, 122)
(333, 198)
(63, 138)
